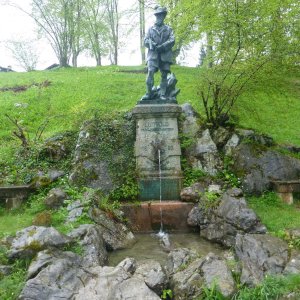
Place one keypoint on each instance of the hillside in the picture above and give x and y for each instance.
(61, 99)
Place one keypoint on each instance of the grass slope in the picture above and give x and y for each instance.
(74, 94)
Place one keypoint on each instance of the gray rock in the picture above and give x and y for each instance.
(33, 239)
(216, 272)
(74, 214)
(232, 143)
(55, 174)
(293, 266)
(55, 198)
(116, 283)
(205, 144)
(197, 217)
(55, 275)
(259, 167)
(73, 205)
(179, 258)
(5, 270)
(214, 188)
(153, 275)
(90, 238)
(42, 179)
(294, 233)
(190, 125)
(116, 235)
(260, 254)
(188, 283)
(192, 193)
(220, 136)
(235, 192)
(235, 212)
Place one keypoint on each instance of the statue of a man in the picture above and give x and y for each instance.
(159, 40)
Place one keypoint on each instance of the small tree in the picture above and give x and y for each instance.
(24, 53)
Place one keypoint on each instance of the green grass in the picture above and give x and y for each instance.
(75, 94)
(275, 214)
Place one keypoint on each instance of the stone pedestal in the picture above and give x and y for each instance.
(157, 136)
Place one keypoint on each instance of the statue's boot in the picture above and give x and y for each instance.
(163, 88)
(149, 93)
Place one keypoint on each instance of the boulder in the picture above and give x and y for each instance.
(190, 124)
(203, 154)
(33, 239)
(202, 272)
(258, 167)
(260, 254)
(231, 144)
(75, 210)
(5, 270)
(192, 193)
(216, 272)
(116, 283)
(293, 266)
(42, 179)
(232, 216)
(90, 238)
(179, 258)
(116, 235)
(55, 198)
(197, 216)
(153, 275)
(58, 147)
(54, 275)
(220, 136)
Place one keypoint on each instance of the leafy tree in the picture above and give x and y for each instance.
(24, 53)
(96, 30)
(243, 38)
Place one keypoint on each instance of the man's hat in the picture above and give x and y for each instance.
(160, 10)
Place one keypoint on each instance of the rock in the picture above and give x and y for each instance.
(232, 143)
(190, 124)
(205, 144)
(179, 258)
(116, 235)
(214, 188)
(236, 212)
(33, 239)
(42, 179)
(55, 198)
(260, 254)
(96, 158)
(74, 205)
(294, 233)
(58, 147)
(43, 218)
(293, 266)
(54, 275)
(220, 136)
(116, 283)
(216, 272)
(258, 167)
(192, 193)
(232, 216)
(5, 270)
(153, 275)
(90, 238)
(188, 283)
(197, 217)
(75, 210)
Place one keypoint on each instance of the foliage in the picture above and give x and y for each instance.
(166, 294)
(212, 293)
(191, 175)
(24, 53)
(210, 200)
(271, 288)
(11, 285)
(269, 206)
(227, 175)
(242, 39)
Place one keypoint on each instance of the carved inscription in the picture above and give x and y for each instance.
(157, 126)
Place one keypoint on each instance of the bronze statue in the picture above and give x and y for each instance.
(159, 40)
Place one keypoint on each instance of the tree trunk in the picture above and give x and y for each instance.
(142, 29)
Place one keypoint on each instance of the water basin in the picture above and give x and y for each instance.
(148, 246)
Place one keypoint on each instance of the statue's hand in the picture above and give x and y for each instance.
(160, 48)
